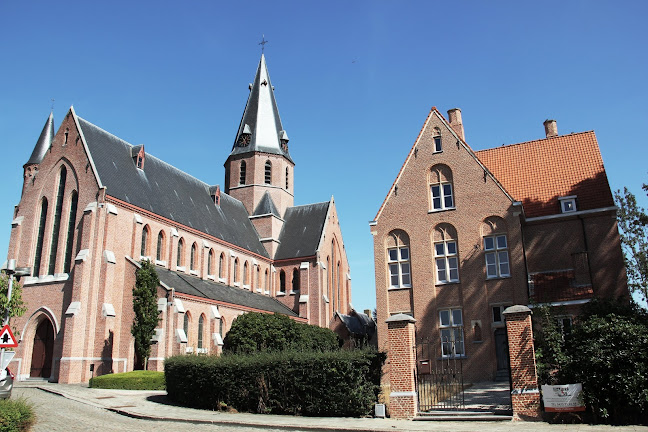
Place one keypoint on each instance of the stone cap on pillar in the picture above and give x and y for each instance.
(400, 317)
(516, 309)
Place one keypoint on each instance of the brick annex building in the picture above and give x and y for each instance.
(462, 235)
(93, 205)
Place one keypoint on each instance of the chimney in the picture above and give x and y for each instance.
(551, 129)
(454, 116)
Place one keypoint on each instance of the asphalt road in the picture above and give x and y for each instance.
(56, 413)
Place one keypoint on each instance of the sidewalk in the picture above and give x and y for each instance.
(153, 405)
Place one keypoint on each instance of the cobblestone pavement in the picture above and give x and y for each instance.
(55, 413)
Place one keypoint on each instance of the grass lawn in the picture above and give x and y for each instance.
(135, 380)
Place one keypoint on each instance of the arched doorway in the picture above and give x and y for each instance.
(43, 350)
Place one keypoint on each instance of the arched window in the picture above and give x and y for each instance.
(494, 232)
(258, 279)
(268, 172)
(437, 140)
(210, 262)
(144, 248)
(295, 280)
(266, 282)
(192, 258)
(74, 200)
(441, 188)
(41, 237)
(60, 196)
(221, 265)
(287, 178)
(160, 246)
(446, 256)
(242, 173)
(236, 262)
(221, 324)
(246, 280)
(282, 281)
(180, 258)
(398, 259)
(334, 276)
(201, 325)
(185, 326)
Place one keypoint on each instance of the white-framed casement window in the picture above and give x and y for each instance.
(398, 261)
(497, 256)
(567, 204)
(442, 196)
(451, 328)
(447, 262)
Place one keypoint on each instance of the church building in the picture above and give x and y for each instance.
(94, 205)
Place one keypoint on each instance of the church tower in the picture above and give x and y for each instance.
(259, 171)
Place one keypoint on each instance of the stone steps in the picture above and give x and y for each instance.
(462, 415)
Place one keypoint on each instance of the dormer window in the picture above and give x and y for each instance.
(246, 135)
(283, 139)
(567, 204)
(138, 155)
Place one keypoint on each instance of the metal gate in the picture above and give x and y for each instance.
(439, 382)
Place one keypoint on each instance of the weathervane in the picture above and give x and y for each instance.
(262, 43)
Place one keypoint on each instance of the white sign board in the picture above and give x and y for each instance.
(7, 356)
(563, 398)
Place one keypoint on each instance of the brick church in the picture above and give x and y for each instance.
(93, 206)
(464, 234)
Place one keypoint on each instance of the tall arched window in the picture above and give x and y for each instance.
(192, 258)
(160, 246)
(41, 237)
(446, 255)
(236, 262)
(287, 178)
(441, 188)
(494, 234)
(201, 328)
(398, 259)
(334, 276)
(295, 280)
(60, 196)
(74, 200)
(180, 258)
(268, 172)
(221, 265)
(282, 281)
(145, 235)
(185, 326)
(242, 173)
(266, 282)
(210, 262)
(258, 278)
(246, 280)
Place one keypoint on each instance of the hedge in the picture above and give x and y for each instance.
(15, 415)
(338, 383)
(135, 380)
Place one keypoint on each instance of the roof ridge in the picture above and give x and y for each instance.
(536, 140)
(311, 204)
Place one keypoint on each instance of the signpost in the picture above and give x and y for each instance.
(7, 339)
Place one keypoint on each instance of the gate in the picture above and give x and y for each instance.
(439, 383)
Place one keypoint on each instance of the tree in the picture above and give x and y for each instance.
(145, 308)
(633, 226)
(16, 307)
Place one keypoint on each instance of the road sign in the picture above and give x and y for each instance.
(7, 356)
(7, 339)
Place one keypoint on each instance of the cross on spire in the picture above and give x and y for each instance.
(262, 43)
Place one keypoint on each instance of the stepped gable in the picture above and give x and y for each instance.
(167, 191)
(302, 230)
(538, 172)
(194, 286)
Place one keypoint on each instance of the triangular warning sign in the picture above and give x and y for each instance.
(7, 339)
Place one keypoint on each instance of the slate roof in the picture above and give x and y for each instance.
(166, 191)
(358, 323)
(261, 116)
(266, 206)
(302, 230)
(44, 141)
(207, 289)
(538, 172)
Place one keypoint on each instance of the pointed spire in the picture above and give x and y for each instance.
(44, 141)
(261, 129)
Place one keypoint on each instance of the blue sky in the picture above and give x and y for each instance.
(354, 82)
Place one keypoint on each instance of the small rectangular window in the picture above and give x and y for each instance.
(567, 204)
(437, 144)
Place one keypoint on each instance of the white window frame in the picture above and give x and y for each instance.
(568, 204)
(451, 333)
(444, 193)
(498, 264)
(399, 267)
(438, 145)
(446, 258)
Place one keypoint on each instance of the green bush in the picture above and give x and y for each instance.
(15, 415)
(136, 380)
(254, 332)
(333, 383)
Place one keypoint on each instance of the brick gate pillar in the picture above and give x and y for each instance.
(403, 401)
(525, 397)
